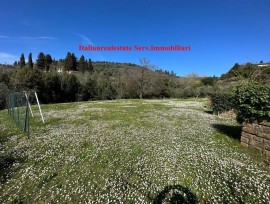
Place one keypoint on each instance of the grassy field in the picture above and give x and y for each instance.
(130, 151)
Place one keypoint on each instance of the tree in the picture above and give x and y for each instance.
(90, 67)
(22, 61)
(144, 76)
(28, 79)
(109, 93)
(3, 91)
(4, 78)
(82, 64)
(162, 84)
(15, 63)
(52, 91)
(209, 81)
(102, 83)
(70, 87)
(41, 61)
(74, 62)
(89, 90)
(30, 61)
(235, 71)
(68, 64)
(48, 61)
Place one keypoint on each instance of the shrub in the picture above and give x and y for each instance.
(70, 86)
(221, 102)
(253, 101)
(52, 88)
(3, 91)
(4, 78)
(28, 79)
(88, 91)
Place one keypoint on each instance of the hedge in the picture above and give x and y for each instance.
(222, 102)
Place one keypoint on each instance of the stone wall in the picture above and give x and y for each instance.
(256, 135)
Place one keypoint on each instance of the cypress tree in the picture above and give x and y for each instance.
(90, 67)
(68, 65)
(74, 62)
(30, 61)
(48, 61)
(82, 64)
(41, 61)
(22, 61)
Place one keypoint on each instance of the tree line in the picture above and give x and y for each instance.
(79, 79)
(82, 80)
(45, 62)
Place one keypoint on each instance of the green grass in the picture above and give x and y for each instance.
(130, 151)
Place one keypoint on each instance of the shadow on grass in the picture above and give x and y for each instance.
(7, 168)
(209, 112)
(6, 163)
(229, 130)
(8, 158)
(175, 194)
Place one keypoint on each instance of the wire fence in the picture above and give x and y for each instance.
(18, 109)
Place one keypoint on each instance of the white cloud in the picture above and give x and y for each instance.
(38, 38)
(47, 38)
(28, 37)
(6, 58)
(86, 39)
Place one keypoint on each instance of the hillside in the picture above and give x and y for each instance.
(257, 72)
(99, 66)
(100, 81)
(111, 80)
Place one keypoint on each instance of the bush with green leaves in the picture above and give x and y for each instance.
(222, 102)
(253, 101)
(3, 91)
(27, 79)
(70, 86)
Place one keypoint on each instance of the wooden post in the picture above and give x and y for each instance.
(27, 98)
(39, 107)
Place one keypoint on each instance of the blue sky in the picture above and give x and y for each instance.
(220, 33)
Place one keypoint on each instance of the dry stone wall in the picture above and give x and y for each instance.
(256, 135)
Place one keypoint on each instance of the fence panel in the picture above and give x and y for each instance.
(18, 109)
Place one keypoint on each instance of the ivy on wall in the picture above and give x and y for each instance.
(253, 101)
